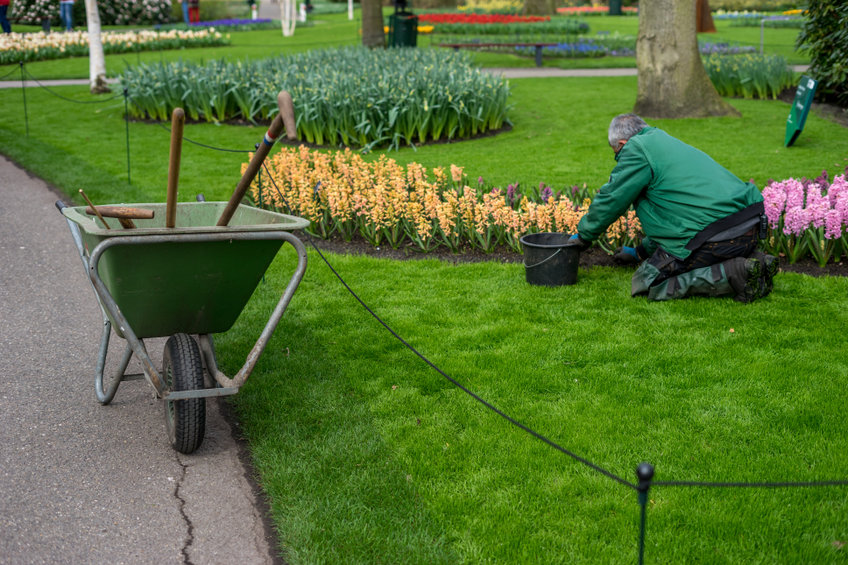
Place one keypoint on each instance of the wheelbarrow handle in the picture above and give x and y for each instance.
(274, 132)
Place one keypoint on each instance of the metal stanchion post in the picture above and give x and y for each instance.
(127, 122)
(644, 472)
(23, 92)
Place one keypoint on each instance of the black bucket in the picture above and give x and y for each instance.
(548, 261)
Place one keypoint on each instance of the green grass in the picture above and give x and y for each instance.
(368, 455)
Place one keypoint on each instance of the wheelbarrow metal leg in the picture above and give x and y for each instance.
(106, 396)
(252, 357)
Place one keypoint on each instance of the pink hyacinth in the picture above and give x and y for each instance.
(833, 224)
(774, 197)
(794, 193)
(796, 221)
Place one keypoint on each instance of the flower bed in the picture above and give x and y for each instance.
(16, 47)
(749, 76)
(479, 18)
(344, 196)
(349, 96)
(594, 10)
(386, 204)
(808, 217)
(559, 26)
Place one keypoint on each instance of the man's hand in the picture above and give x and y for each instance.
(576, 241)
(626, 256)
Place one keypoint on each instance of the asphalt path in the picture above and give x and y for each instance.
(85, 483)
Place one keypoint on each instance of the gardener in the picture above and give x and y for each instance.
(702, 223)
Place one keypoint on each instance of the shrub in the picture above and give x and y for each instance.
(749, 76)
(825, 36)
(353, 97)
(112, 12)
(754, 5)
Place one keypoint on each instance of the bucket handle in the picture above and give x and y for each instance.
(526, 266)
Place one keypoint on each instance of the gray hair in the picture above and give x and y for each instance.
(625, 126)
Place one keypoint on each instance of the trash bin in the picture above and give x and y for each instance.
(403, 29)
(614, 7)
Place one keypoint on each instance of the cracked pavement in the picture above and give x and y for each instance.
(85, 483)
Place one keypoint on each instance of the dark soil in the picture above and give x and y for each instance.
(592, 258)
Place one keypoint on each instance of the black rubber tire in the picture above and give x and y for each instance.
(182, 369)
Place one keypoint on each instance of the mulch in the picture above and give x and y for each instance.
(594, 257)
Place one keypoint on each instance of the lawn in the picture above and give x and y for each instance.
(369, 455)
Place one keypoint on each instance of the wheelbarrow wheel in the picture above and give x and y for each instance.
(185, 419)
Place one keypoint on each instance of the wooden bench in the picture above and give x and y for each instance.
(538, 46)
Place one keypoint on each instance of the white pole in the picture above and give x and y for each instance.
(350, 9)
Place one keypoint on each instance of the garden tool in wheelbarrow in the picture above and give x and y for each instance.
(184, 283)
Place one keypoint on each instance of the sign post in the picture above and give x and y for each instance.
(800, 109)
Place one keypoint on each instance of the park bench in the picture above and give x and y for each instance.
(538, 46)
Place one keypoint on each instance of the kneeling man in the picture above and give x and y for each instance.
(702, 223)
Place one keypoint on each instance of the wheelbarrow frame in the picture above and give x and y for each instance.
(222, 384)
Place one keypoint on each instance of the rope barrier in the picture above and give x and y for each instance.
(57, 95)
(453, 381)
(9, 73)
(166, 128)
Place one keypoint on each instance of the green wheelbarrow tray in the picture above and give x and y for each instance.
(153, 281)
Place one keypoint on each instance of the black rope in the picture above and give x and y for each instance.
(163, 126)
(749, 485)
(485, 403)
(9, 73)
(56, 94)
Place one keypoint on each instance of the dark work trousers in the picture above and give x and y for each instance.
(709, 253)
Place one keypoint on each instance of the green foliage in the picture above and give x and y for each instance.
(825, 36)
(112, 12)
(350, 96)
(749, 76)
(757, 21)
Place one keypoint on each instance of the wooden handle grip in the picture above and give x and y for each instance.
(274, 131)
(121, 212)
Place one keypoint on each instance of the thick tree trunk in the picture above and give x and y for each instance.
(539, 7)
(372, 23)
(96, 59)
(672, 79)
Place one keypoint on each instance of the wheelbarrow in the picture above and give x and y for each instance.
(193, 279)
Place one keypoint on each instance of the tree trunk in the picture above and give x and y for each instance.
(288, 17)
(96, 59)
(539, 8)
(672, 79)
(703, 17)
(372, 23)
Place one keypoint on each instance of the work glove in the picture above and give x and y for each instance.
(578, 242)
(626, 256)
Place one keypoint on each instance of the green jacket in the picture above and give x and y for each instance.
(675, 189)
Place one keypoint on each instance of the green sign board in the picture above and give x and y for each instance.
(800, 109)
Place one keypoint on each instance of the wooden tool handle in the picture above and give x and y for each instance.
(95, 210)
(262, 151)
(120, 212)
(177, 123)
(286, 106)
